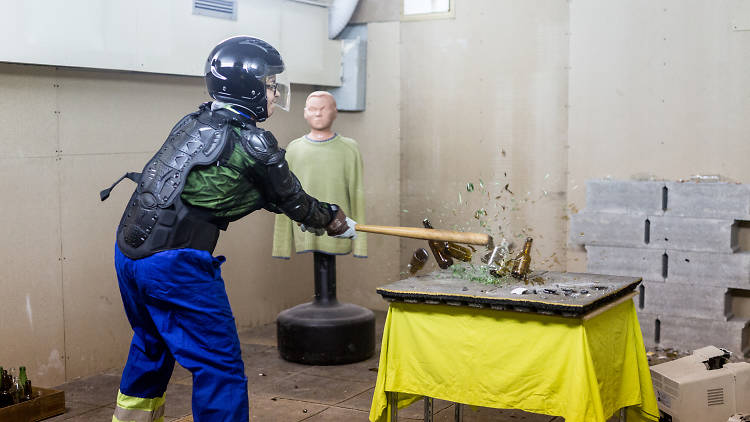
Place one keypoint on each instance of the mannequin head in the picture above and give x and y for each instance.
(320, 112)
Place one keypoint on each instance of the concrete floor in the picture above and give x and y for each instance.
(279, 391)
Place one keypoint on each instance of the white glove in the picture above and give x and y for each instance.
(317, 232)
(350, 233)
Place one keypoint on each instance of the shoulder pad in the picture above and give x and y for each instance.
(182, 123)
(262, 145)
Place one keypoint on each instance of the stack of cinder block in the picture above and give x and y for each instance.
(681, 238)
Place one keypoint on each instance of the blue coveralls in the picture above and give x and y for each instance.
(177, 305)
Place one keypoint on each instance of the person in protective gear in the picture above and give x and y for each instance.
(215, 167)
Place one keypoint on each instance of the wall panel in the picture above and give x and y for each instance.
(28, 123)
(97, 333)
(32, 308)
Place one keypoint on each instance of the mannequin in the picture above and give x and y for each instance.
(328, 165)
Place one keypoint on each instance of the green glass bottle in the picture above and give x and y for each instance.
(23, 382)
(22, 374)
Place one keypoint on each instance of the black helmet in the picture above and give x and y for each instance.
(237, 71)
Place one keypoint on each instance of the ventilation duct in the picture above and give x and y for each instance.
(339, 13)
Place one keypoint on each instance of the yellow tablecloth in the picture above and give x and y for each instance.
(582, 370)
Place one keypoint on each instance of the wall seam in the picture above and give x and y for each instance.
(566, 166)
(61, 258)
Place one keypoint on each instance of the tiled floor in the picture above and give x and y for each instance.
(279, 391)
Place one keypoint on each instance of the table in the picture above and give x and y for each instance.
(583, 369)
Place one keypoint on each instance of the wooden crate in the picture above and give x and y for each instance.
(46, 404)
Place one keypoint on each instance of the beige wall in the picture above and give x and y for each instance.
(483, 97)
(657, 89)
(67, 133)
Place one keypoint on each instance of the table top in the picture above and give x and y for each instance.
(547, 292)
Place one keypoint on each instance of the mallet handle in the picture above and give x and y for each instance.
(428, 234)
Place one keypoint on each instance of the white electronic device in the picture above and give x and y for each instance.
(702, 387)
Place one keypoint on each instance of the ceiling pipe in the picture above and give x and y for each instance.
(339, 13)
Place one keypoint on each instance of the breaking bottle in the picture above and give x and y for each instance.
(462, 253)
(522, 261)
(438, 249)
(418, 260)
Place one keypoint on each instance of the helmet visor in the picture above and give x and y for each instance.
(278, 86)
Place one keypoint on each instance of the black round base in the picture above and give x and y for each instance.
(329, 334)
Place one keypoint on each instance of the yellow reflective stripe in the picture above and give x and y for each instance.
(136, 409)
(138, 415)
(130, 402)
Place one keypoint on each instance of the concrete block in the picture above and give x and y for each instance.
(607, 229)
(739, 302)
(728, 270)
(654, 231)
(710, 200)
(634, 262)
(693, 234)
(692, 333)
(684, 300)
(624, 196)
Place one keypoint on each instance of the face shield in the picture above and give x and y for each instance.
(278, 85)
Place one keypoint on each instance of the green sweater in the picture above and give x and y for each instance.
(330, 171)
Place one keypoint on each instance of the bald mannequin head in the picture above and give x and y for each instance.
(320, 112)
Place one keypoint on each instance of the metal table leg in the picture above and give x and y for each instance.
(428, 405)
(623, 415)
(393, 404)
(459, 413)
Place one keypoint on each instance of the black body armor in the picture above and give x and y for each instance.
(156, 219)
(281, 189)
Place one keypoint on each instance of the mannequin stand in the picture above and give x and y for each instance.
(326, 332)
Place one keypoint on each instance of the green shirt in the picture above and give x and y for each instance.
(224, 190)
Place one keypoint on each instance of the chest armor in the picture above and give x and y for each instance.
(155, 218)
